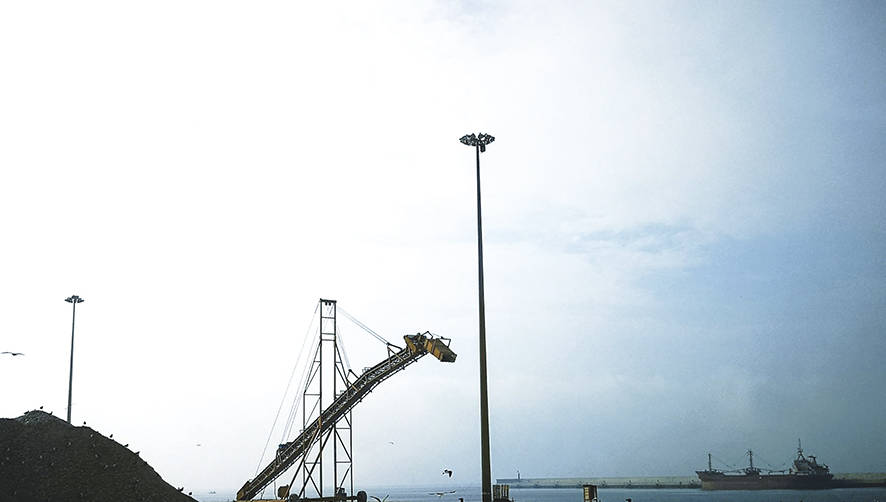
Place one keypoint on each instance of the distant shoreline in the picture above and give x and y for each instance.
(660, 482)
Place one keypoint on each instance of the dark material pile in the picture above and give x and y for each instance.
(43, 458)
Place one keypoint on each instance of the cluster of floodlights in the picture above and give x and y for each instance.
(74, 299)
(473, 140)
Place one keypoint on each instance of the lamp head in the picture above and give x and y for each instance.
(74, 299)
(480, 140)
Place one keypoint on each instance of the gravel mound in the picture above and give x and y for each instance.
(43, 459)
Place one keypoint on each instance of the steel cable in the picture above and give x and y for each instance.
(365, 327)
(286, 392)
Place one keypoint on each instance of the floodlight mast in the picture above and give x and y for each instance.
(479, 142)
(73, 300)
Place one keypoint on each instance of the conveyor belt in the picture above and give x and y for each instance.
(416, 347)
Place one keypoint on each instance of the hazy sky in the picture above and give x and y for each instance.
(683, 210)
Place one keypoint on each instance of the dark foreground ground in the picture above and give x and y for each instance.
(45, 459)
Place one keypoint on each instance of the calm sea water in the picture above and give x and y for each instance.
(472, 494)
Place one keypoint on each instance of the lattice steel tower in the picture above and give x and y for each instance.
(326, 379)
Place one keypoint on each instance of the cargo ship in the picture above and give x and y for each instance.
(806, 474)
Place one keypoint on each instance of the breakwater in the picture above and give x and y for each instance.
(609, 482)
(841, 480)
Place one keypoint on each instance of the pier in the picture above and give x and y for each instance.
(610, 482)
(841, 480)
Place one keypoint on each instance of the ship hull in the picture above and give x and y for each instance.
(720, 481)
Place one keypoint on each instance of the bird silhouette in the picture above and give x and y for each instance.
(111, 436)
(13, 354)
(378, 499)
(447, 471)
(41, 407)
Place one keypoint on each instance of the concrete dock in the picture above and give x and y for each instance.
(845, 480)
(610, 482)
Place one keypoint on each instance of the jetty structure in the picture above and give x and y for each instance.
(330, 393)
(840, 480)
(640, 482)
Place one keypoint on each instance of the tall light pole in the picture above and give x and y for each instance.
(479, 142)
(73, 300)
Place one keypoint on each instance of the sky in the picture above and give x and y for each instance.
(682, 213)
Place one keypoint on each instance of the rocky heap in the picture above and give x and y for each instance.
(43, 458)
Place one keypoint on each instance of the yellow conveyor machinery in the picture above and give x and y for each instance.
(416, 347)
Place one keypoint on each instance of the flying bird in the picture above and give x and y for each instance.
(378, 499)
(447, 471)
(111, 436)
(41, 407)
(13, 354)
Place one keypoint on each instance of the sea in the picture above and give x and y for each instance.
(472, 494)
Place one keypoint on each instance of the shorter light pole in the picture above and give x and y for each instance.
(73, 300)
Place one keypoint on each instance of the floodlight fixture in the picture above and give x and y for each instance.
(74, 299)
(480, 140)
